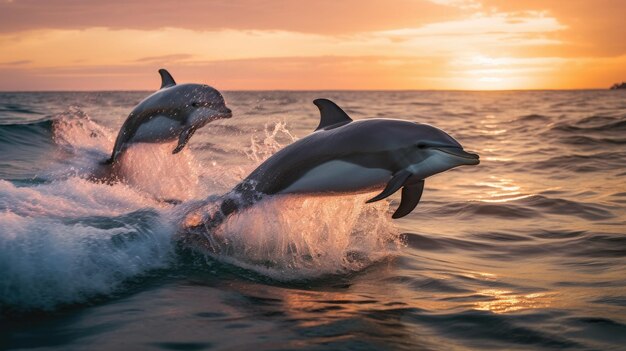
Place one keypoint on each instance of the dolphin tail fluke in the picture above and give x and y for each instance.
(411, 195)
(394, 185)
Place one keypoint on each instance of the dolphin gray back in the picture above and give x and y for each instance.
(366, 142)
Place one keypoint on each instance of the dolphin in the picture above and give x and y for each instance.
(175, 111)
(343, 156)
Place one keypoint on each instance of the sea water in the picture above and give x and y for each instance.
(524, 251)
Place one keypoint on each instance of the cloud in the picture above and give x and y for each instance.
(331, 73)
(594, 27)
(15, 63)
(306, 73)
(485, 34)
(165, 58)
(320, 16)
(463, 4)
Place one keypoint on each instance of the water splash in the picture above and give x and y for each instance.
(294, 237)
(150, 168)
(290, 237)
(260, 150)
(75, 131)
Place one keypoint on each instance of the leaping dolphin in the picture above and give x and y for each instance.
(173, 112)
(346, 156)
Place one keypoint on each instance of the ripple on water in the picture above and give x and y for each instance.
(472, 328)
(591, 124)
(525, 207)
(533, 118)
(583, 163)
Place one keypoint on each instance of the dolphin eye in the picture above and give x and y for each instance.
(421, 145)
(195, 104)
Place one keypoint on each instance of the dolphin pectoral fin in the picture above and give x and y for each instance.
(166, 79)
(394, 184)
(331, 115)
(183, 139)
(411, 195)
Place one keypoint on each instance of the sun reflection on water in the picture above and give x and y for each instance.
(504, 301)
(501, 190)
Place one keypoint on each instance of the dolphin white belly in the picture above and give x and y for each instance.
(339, 176)
(158, 129)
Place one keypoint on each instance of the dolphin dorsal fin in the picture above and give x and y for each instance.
(330, 114)
(166, 79)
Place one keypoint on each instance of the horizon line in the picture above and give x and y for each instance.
(308, 90)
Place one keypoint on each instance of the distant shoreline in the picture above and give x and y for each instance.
(618, 86)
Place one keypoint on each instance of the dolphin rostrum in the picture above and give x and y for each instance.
(344, 156)
(175, 111)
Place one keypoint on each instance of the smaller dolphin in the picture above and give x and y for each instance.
(348, 157)
(173, 112)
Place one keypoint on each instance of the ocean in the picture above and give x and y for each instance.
(525, 251)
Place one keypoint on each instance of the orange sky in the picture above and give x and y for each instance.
(306, 44)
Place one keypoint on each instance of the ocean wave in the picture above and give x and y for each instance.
(17, 134)
(592, 124)
(596, 120)
(612, 300)
(584, 163)
(534, 206)
(472, 328)
(599, 330)
(25, 149)
(598, 245)
(591, 141)
(425, 103)
(68, 241)
(557, 206)
(436, 243)
(533, 118)
(16, 113)
(426, 284)
(45, 263)
(591, 250)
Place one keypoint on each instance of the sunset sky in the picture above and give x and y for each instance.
(323, 44)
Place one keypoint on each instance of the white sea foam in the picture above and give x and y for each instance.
(66, 241)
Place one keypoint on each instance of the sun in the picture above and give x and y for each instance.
(481, 72)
